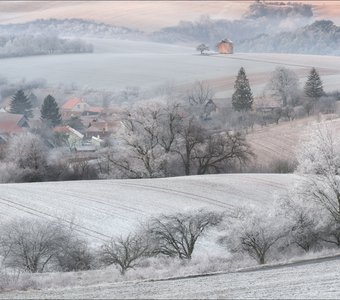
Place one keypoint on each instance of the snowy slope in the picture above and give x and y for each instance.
(318, 279)
(282, 141)
(117, 64)
(106, 208)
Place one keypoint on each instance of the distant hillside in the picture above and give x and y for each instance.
(321, 37)
(260, 18)
(40, 44)
(279, 10)
(70, 27)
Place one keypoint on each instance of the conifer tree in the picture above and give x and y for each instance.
(242, 98)
(314, 87)
(50, 112)
(21, 104)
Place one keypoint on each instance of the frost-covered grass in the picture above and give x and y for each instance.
(316, 278)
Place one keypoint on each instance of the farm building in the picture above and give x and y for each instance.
(225, 46)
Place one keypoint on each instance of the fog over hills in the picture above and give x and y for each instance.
(143, 15)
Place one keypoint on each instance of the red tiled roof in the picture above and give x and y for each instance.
(9, 123)
(95, 109)
(70, 104)
(63, 129)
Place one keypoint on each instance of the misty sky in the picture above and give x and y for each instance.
(144, 15)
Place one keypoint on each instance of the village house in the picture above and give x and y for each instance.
(100, 129)
(71, 137)
(77, 107)
(225, 46)
(12, 123)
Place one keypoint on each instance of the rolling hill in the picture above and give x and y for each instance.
(103, 208)
(280, 142)
(116, 64)
(109, 207)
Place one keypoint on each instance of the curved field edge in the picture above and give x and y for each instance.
(103, 208)
(315, 278)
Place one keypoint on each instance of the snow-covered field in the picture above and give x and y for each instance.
(318, 279)
(110, 207)
(282, 141)
(117, 64)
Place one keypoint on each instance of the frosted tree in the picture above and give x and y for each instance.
(314, 86)
(319, 163)
(303, 221)
(200, 100)
(191, 136)
(221, 151)
(177, 234)
(27, 151)
(284, 86)
(242, 98)
(140, 155)
(30, 245)
(158, 140)
(50, 112)
(20, 104)
(254, 232)
(201, 48)
(125, 252)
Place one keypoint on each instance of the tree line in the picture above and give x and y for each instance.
(43, 44)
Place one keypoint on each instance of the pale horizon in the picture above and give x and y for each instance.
(143, 15)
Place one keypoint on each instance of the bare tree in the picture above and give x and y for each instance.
(73, 253)
(254, 232)
(221, 149)
(284, 85)
(319, 163)
(30, 244)
(140, 142)
(190, 136)
(177, 234)
(170, 125)
(27, 151)
(199, 97)
(201, 48)
(125, 253)
(154, 136)
(302, 219)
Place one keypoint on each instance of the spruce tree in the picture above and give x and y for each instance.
(21, 104)
(50, 112)
(242, 98)
(314, 86)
